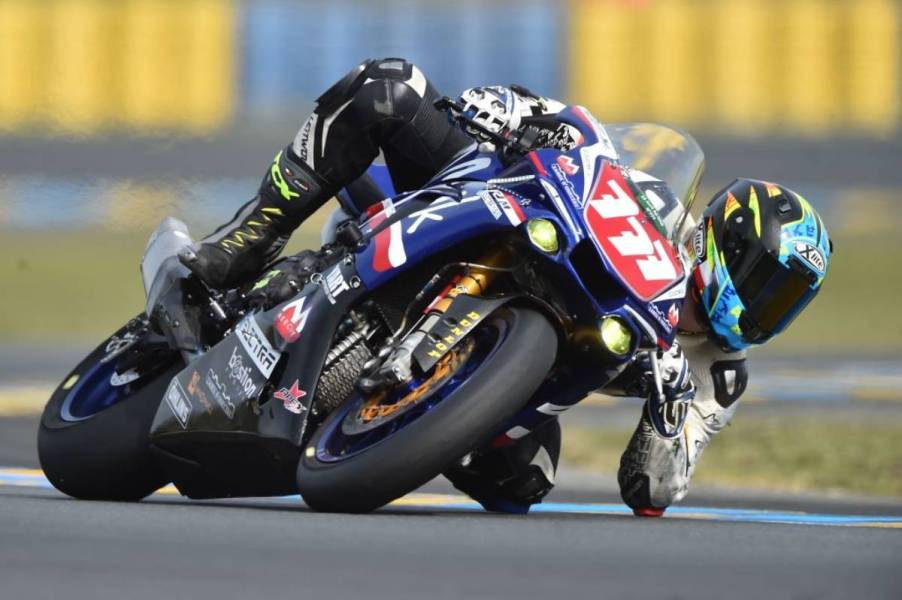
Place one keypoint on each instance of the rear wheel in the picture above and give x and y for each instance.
(372, 450)
(93, 441)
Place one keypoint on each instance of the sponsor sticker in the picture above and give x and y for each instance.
(509, 207)
(195, 390)
(117, 345)
(811, 255)
(334, 284)
(291, 320)
(699, 243)
(303, 143)
(491, 205)
(673, 315)
(568, 165)
(220, 393)
(178, 402)
(662, 318)
(291, 398)
(566, 184)
(240, 375)
(257, 346)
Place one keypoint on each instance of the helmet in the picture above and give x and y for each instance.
(760, 255)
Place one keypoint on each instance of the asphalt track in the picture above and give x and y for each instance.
(582, 543)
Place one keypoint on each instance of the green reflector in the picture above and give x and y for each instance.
(615, 335)
(543, 234)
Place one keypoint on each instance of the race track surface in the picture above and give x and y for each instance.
(581, 543)
(428, 546)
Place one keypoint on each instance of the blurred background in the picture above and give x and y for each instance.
(115, 114)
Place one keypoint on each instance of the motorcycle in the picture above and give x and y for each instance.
(442, 321)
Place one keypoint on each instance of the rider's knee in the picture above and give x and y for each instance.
(514, 477)
(390, 88)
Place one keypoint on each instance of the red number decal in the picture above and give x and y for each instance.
(642, 257)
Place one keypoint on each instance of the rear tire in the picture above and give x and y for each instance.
(467, 418)
(105, 456)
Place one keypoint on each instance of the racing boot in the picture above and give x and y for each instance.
(239, 250)
(511, 478)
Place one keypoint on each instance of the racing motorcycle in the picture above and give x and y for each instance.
(441, 322)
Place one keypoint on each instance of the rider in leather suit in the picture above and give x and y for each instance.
(387, 105)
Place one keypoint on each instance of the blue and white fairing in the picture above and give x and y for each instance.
(630, 218)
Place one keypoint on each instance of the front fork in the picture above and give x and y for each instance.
(446, 320)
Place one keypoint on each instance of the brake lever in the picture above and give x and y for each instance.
(656, 373)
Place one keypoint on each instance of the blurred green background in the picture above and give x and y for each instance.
(115, 114)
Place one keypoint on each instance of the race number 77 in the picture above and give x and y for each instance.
(656, 264)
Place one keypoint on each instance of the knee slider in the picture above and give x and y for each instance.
(405, 84)
(389, 68)
(373, 69)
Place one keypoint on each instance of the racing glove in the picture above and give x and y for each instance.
(516, 113)
(666, 411)
(496, 108)
(286, 278)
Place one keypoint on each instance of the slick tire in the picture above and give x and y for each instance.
(106, 456)
(467, 418)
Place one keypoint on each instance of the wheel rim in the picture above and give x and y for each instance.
(364, 422)
(92, 393)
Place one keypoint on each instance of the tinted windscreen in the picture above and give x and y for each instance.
(670, 155)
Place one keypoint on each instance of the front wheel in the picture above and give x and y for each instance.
(372, 450)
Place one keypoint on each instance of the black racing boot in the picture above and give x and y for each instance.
(239, 250)
(512, 478)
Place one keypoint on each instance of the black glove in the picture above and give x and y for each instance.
(667, 414)
(284, 280)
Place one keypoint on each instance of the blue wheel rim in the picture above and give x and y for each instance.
(92, 393)
(335, 445)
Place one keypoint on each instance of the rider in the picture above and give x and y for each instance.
(760, 254)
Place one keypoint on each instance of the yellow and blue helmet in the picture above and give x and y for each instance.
(761, 253)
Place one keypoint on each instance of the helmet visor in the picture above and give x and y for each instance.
(773, 294)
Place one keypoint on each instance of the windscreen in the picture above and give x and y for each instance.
(667, 154)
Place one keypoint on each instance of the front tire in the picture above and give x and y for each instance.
(524, 352)
(94, 444)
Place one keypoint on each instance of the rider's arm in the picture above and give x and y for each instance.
(655, 472)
